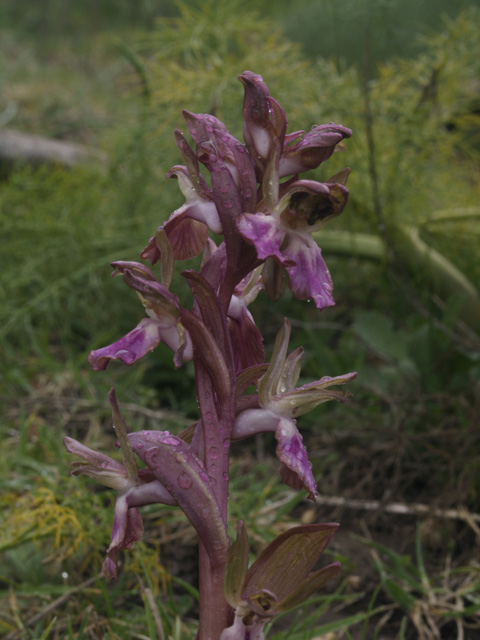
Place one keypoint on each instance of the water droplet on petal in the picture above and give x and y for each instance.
(213, 453)
(184, 481)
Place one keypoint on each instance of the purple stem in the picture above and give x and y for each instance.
(215, 612)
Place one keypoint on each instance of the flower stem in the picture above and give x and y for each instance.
(215, 612)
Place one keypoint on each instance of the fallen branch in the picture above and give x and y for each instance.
(403, 509)
(31, 149)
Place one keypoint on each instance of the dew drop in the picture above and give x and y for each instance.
(226, 443)
(213, 452)
(184, 481)
(228, 204)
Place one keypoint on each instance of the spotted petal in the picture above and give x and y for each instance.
(291, 452)
(266, 234)
(307, 270)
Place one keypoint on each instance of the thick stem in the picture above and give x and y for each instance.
(215, 612)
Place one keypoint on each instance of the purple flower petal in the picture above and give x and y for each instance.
(240, 631)
(265, 120)
(127, 530)
(187, 227)
(313, 149)
(186, 235)
(144, 489)
(309, 275)
(144, 338)
(252, 421)
(247, 341)
(297, 471)
(265, 233)
(99, 466)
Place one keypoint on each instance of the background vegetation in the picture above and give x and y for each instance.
(114, 76)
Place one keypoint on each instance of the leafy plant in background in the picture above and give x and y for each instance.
(266, 215)
(418, 119)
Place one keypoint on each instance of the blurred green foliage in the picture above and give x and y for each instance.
(364, 33)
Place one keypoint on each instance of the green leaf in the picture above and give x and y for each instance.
(398, 595)
(288, 560)
(237, 566)
(376, 329)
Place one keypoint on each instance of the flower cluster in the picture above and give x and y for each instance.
(264, 215)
